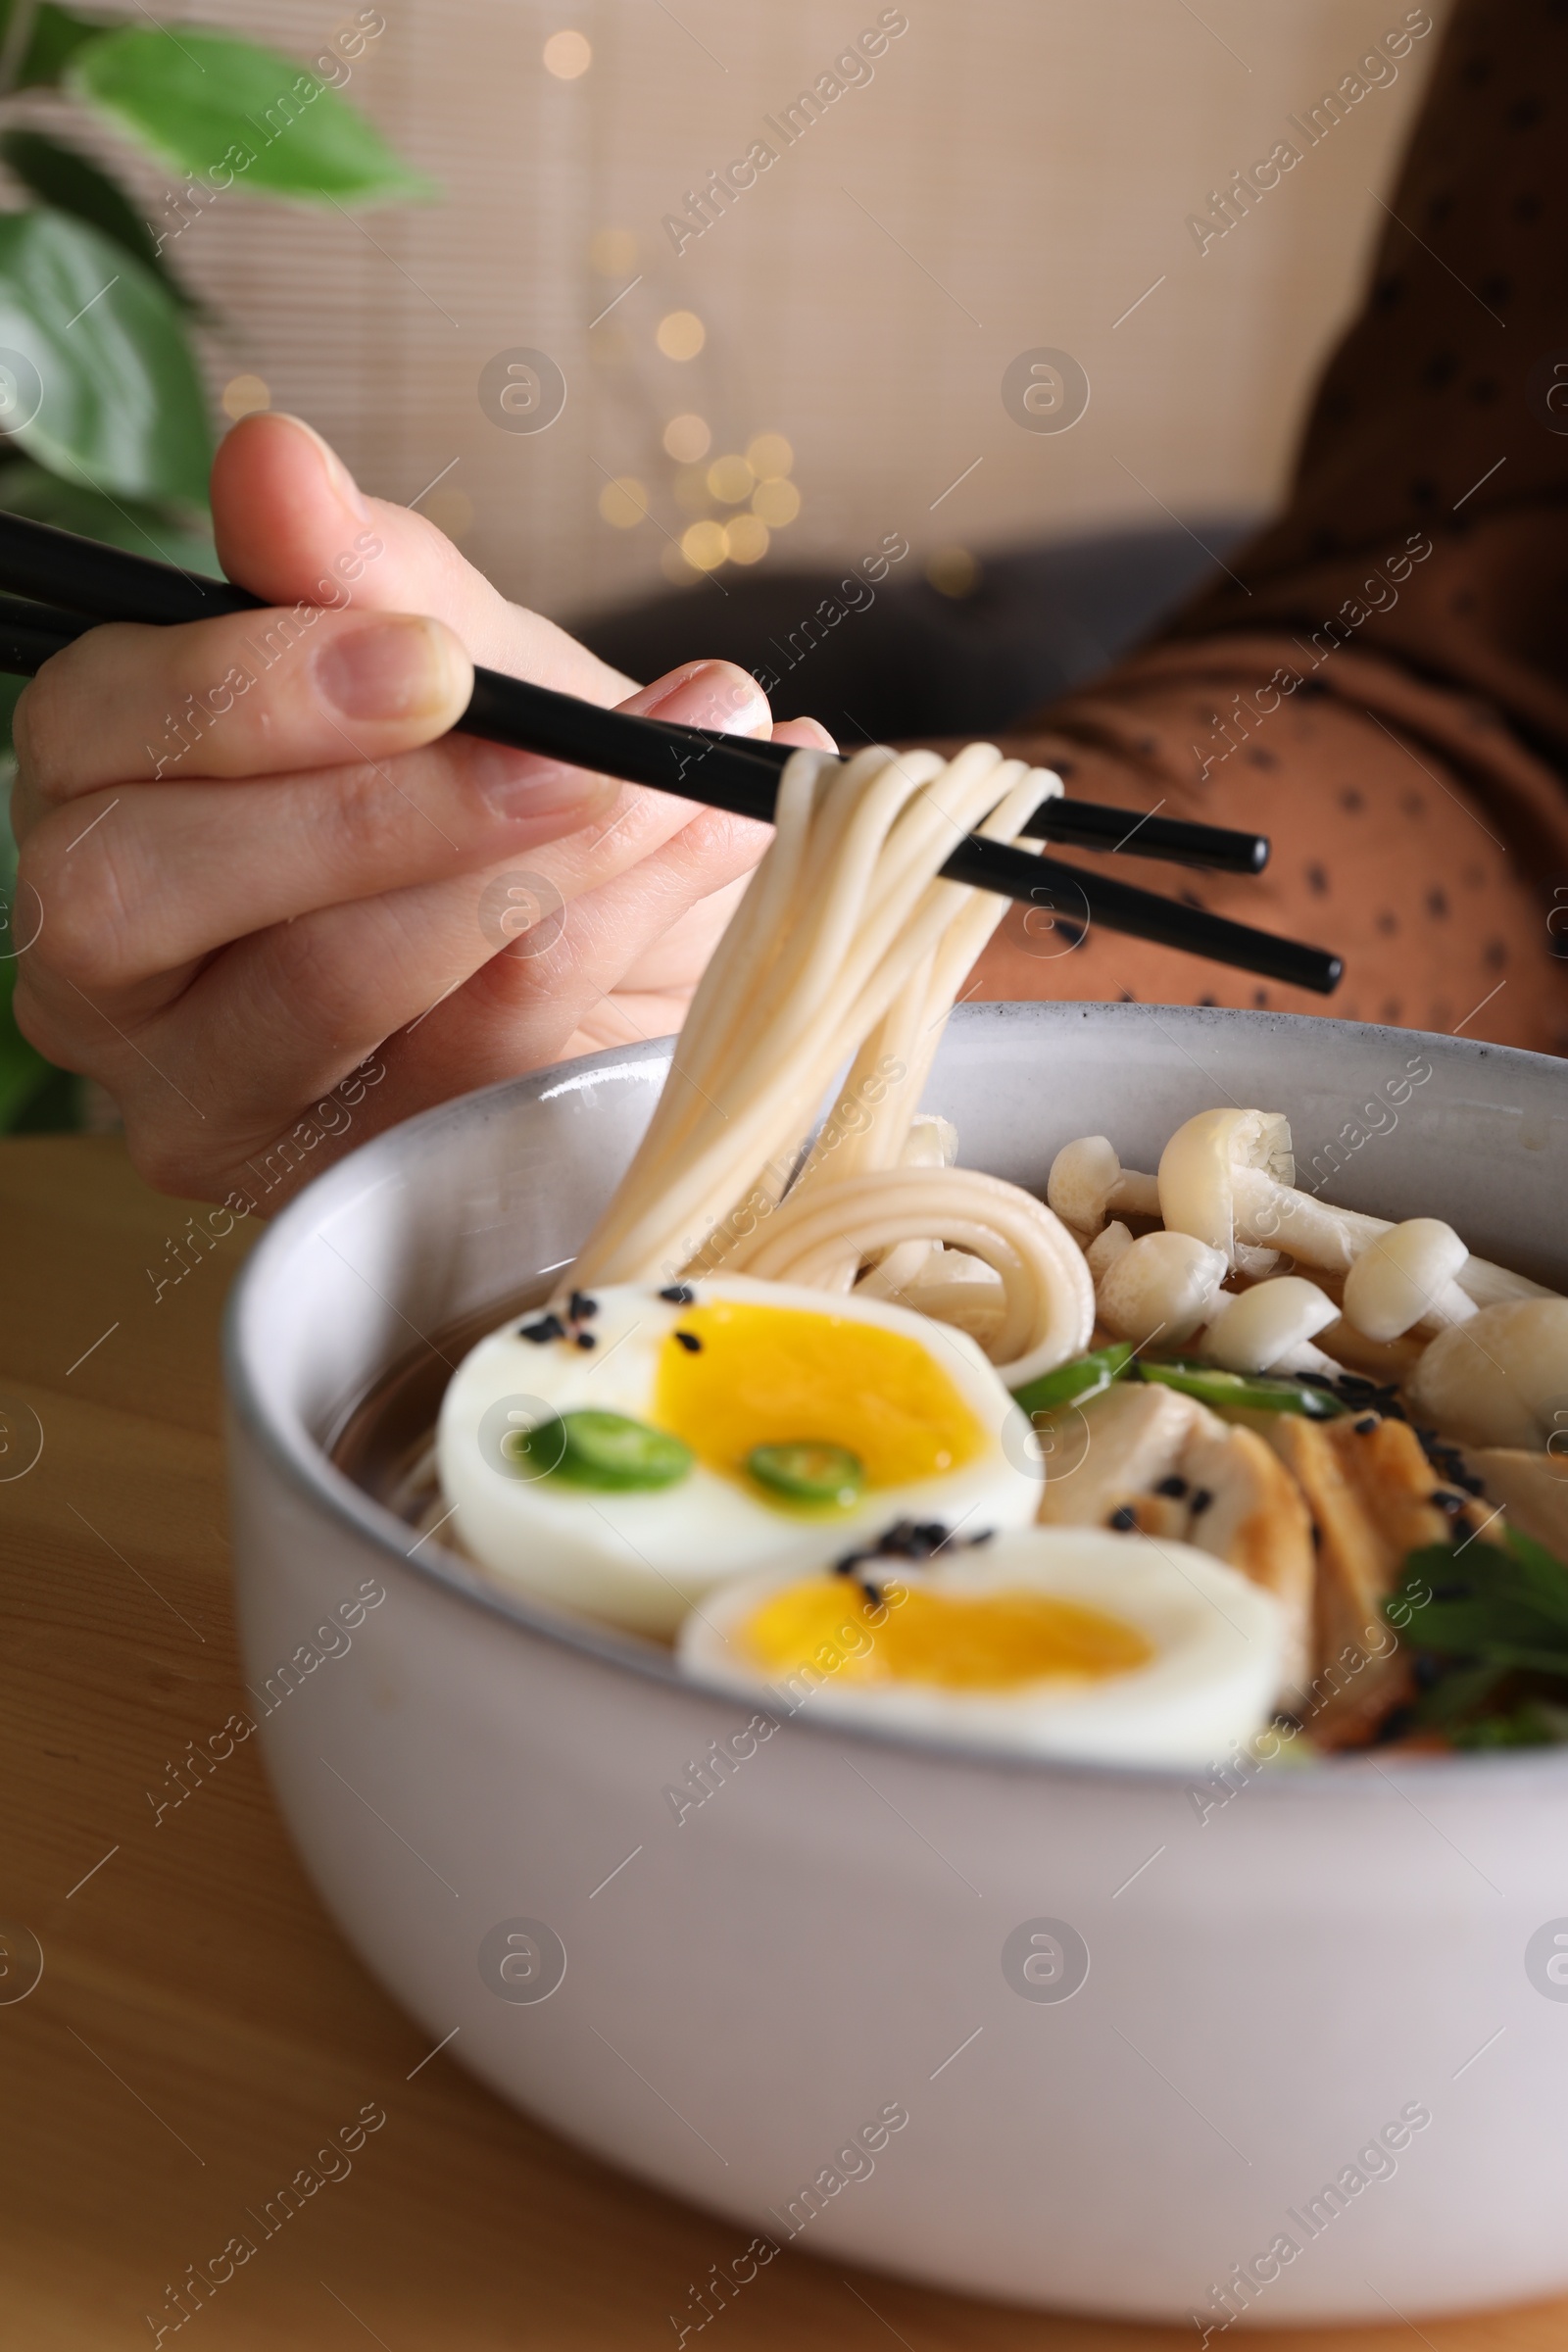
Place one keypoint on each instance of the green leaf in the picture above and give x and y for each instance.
(57, 34)
(1506, 1608)
(233, 115)
(121, 408)
(24, 1070)
(145, 530)
(60, 176)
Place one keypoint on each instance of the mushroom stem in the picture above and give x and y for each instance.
(1277, 1215)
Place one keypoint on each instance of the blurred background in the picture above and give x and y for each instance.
(1013, 177)
(675, 418)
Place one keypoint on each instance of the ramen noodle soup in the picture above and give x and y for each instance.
(1136, 1469)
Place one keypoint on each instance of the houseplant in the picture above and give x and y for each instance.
(104, 421)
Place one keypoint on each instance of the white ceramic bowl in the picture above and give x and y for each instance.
(839, 1933)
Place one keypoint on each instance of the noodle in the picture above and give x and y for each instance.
(848, 947)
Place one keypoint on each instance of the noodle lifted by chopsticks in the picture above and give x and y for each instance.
(849, 946)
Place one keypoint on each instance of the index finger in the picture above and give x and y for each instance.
(264, 693)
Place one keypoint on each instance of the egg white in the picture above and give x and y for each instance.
(1219, 1641)
(641, 1558)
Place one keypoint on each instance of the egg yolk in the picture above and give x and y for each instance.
(779, 1375)
(957, 1641)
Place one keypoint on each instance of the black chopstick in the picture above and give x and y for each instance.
(1092, 825)
(90, 584)
(109, 583)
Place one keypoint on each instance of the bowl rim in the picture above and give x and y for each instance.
(295, 1455)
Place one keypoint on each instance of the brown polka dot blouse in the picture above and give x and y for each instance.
(1382, 683)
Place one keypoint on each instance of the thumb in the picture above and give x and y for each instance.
(293, 527)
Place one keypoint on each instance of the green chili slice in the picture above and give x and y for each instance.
(1070, 1384)
(1255, 1393)
(809, 1470)
(610, 1451)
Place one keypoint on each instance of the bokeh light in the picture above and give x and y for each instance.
(953, 571)
(567, 55)
(704, 545)
(745, 539)
(681, 335)
(243, 394)
(769, 457)
(731, 481)
(776, 504)
(688, 439)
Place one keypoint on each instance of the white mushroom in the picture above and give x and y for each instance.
(1270, 1327)
(931, 1143)
(1532, 1488)
(1499, 1379)
(1087, 1180)
(1228, 1176)
(1106, 1247)
(1198, 1171)
(1406, 1276)
(1162, 1284)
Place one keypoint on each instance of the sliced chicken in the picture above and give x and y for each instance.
(1532, 1489)
(1368, 1487)
(1105, 1460)
(1244, 1507)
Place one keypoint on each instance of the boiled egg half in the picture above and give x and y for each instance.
(1069, 1643)
(626, 1456)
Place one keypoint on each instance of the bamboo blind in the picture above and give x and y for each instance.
(1014, 175)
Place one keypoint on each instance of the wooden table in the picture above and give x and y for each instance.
(199, 2027)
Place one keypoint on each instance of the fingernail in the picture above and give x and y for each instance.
(517, 787)
(342, 482)
(397, 667)
(715, 695)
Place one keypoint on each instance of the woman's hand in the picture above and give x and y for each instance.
(266, 870)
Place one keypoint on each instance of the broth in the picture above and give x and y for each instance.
(383, 1435)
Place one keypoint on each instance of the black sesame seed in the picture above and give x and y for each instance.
(984, 1536)
(1201, 1501)
(1446, 1499)
(547, 1327)
(690, 1342)
(679, 1295)
(1367, 1423)
(580, 1307)
(585, 1338)
(1123, 1520)
(872, 1592)
(1175, 1487)
(1317, 1536)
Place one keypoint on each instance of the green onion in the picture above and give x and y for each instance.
(1070, 1384)
(809, 1470)
(1256, 1392)
(606, 1450)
